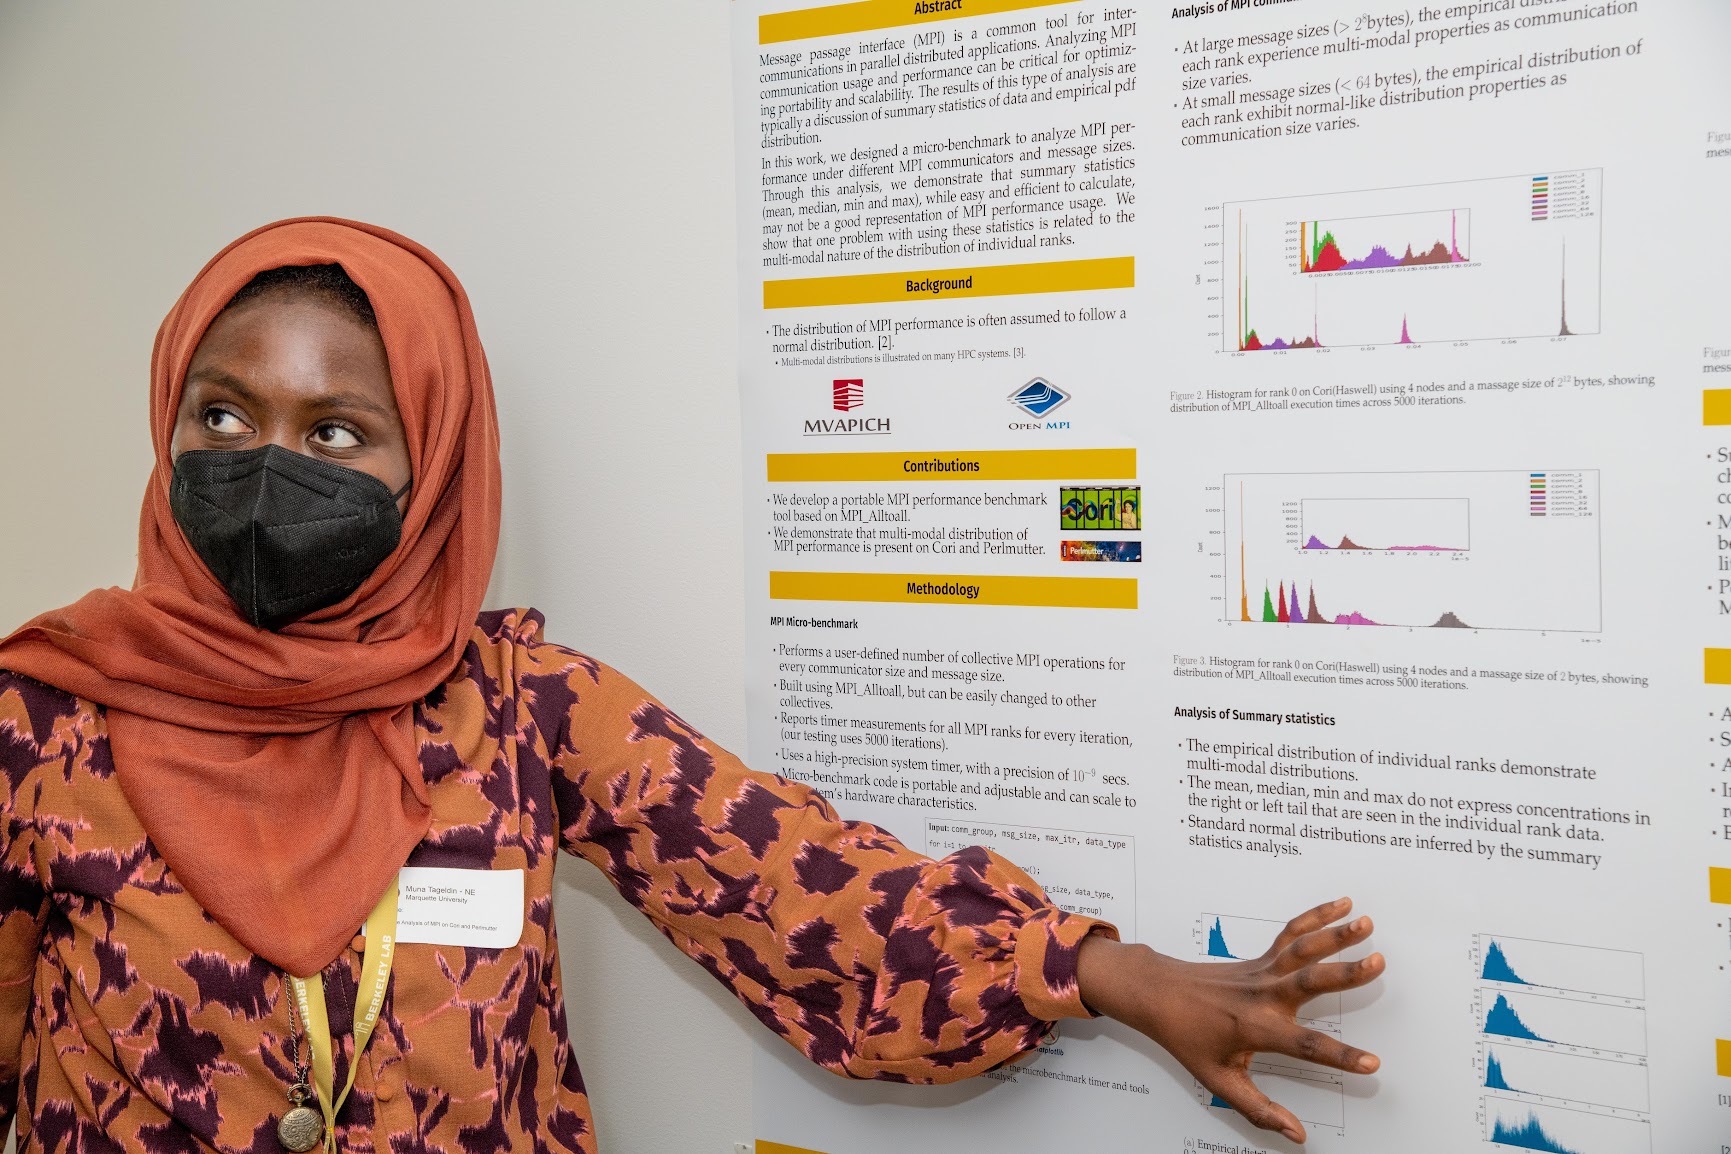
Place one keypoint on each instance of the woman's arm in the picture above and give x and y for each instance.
(871, 959)
(1214, 1017)
(23, 901)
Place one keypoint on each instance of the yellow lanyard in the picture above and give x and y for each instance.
(310, 997)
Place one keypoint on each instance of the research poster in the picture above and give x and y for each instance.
(1228, 455)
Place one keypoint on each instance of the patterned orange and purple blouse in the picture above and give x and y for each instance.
(131, 1022)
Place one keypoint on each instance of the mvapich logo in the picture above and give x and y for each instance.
(846, 395)
(849, 395)
(1038, 397)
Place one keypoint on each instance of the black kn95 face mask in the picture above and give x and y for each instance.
(284, 533)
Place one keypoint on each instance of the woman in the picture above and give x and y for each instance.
(214, 779)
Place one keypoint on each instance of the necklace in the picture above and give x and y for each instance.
(300, 1128)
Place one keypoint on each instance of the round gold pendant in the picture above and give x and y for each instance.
(300, 1129)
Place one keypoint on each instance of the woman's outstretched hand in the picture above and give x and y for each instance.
(1214, 1017)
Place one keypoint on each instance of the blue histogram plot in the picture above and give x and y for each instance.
(1231, 937)
(1515, 1125)
(1562, 1046)
(1560, 1076)
(1603, 973)
(1573, 1023)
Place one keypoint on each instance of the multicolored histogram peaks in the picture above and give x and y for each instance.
(1319, 252)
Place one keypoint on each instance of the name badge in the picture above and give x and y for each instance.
(453, 907)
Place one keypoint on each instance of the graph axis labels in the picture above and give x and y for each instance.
(1498, 258)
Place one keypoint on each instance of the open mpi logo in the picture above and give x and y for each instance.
(1036, 398)
(849, 394)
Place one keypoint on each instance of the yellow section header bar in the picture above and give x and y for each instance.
(1716, 407)
(956, 589)
(999, 280)
(1719, 885)
(1718, 666)
(764, 1147)
(991, 465)
(835, 19)
(1724, 1053)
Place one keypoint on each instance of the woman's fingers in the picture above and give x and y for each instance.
(1318, 944)
(1310, 921)
(1330, 977)
(1314, 1046)
(1234, 1087)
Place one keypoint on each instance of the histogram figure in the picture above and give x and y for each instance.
(1431, 264)
(1564, 1023)
(1579, 1024)
(1605, 973)
(1539, 1075)
(1521, 1125)
(1458, 551)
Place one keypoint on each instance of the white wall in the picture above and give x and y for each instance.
(573, 162)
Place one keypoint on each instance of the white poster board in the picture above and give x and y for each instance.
(1228, 455)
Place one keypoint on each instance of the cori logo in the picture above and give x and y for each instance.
(1038, 397)
(849, 394)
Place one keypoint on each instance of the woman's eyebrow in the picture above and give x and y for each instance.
(349, 401)
(223, 380)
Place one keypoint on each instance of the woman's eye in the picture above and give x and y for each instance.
(222, 421)
(335, 437)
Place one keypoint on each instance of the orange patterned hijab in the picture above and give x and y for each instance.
(277, 773)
